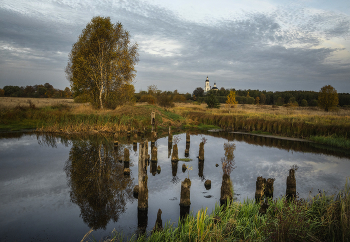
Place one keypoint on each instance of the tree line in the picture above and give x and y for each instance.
(36, 91)
(297, 98)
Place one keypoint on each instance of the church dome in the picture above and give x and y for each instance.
(207, 79)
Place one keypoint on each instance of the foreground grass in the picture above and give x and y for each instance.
(320, 218)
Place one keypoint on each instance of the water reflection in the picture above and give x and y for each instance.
(97, 183)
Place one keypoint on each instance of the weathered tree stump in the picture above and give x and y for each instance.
(159, 169)
(185, 199)
(207, 184)
(175, 154)
(260, 188)
(226, 189)
(142, 179)
(159, 224)
(291, 191)
(201, 152)
(153, 168)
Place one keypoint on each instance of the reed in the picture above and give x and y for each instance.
(319, 218)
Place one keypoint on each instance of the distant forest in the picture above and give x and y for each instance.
(300, 98)
(37, 91)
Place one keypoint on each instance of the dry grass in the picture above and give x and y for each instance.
(11, 102)
(262, 109)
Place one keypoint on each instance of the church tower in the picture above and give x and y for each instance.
(207, 87)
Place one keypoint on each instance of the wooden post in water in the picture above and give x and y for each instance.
(260, 188)
(201, 152)
(175, 154)
(142, 179)
(226, 189)
(159, 224)
(185, 198)
(154, 155)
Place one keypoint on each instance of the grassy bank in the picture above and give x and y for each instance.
(319, 218)
(310, 123)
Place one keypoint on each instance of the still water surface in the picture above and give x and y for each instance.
(57, 188)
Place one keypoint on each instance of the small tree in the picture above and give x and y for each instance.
(212, 101)
(303, 103)
(231, 99)
(257, 100)
(328, 98)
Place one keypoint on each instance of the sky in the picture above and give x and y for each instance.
(273, 45)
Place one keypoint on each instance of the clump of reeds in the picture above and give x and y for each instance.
(320, 218)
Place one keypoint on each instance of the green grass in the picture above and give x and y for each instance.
(201, 126)
(320, 218)
(185, 159)
(260, 132)
(332, 140)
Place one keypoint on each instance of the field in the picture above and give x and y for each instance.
(63, 115)
(12, 102)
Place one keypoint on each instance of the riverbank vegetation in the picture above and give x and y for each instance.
(319, 218)
(69, 117)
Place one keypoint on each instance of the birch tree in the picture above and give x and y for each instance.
(102, 62)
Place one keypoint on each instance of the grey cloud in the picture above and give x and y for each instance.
(257, 51)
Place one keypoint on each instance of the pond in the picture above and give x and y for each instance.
(55, 188)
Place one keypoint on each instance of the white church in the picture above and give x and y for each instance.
(208, 87)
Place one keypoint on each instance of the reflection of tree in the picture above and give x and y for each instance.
(97, 182)
(228, 164)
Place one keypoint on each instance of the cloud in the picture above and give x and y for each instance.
(273, 49)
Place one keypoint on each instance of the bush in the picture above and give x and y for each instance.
(212, 101)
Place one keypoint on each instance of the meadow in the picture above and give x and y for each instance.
(63, 115)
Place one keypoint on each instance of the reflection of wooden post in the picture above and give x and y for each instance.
(154, 154)
(153, 138)
(175, 155)
(187, 150)
(291, 185)
(153, 120)
(174, 167)
(200, 168)
(260, 188)
(201, 152)
(126, 162)
(188, 137)
(185, 199)
(142, 177)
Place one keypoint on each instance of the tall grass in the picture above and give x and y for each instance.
(319, 218)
